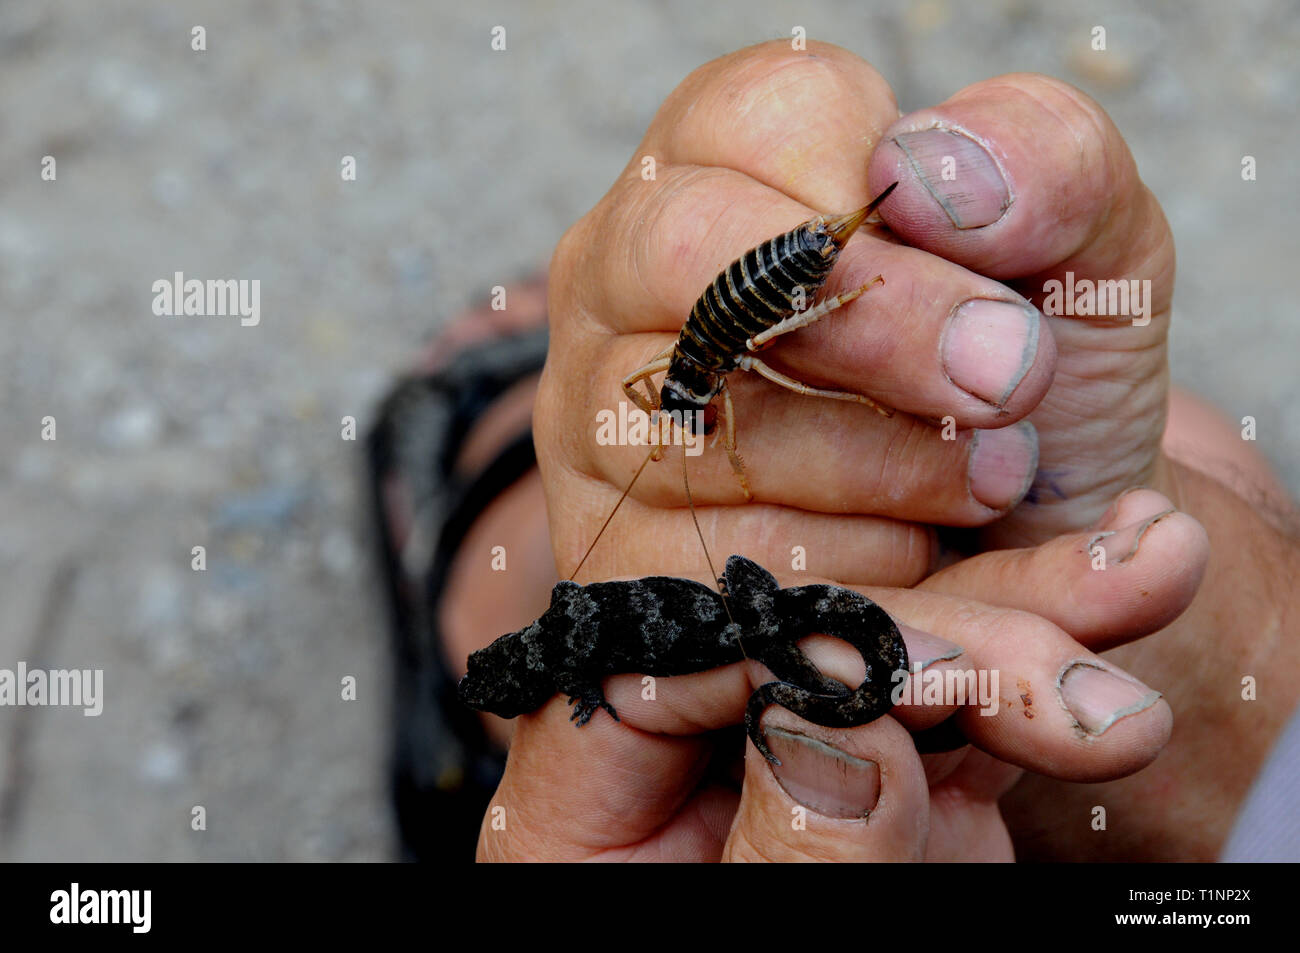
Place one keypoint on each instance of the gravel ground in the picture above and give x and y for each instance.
(223, 687)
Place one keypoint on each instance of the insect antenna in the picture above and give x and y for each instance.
(686, 482)
(690, 501)
(605, 524)
(713, 573)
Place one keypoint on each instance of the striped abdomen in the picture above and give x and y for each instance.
(755, 292)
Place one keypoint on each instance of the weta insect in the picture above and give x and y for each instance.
(756, 299)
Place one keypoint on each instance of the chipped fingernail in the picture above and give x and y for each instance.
(821, 777)
(988, 346)
(1002, 464)
(1122, 544)
(1097, 698)
(959, 173)
(1093, 543)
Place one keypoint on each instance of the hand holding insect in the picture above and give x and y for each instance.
(746, 149)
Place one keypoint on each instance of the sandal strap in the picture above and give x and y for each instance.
(445, 768)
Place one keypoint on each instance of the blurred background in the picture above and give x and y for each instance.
(223, 687)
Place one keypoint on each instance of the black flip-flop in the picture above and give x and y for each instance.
(444, 768)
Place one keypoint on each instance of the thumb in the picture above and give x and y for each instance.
(1025, 179)
(850, 795)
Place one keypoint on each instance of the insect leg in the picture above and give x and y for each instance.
(730, 410)
(660, 363)
(748, 363)
(801, 319)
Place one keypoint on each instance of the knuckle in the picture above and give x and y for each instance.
(1088, 138)
(781, 89)
(674, 229)
(907, 455)
(768, 93)
(1076, 108)
(1020, 627)
(565, 272)
(830, 71)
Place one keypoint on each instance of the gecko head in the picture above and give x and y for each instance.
(751, 590)
(503, 680)
(746, 579)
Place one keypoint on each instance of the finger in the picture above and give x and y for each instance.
(1026, 179)
(934, 339)
(684, 705)
(1129, 576)
(1041, 701)
(801, 121)
(1040, 180)
(966, 823)
(820, 455)
(1013, 684)
(589, 793)
(863, 550)
(855, 794)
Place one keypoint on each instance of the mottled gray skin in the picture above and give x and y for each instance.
(664, 626)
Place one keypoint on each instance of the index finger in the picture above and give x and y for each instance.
(803, 122)
(578, 794)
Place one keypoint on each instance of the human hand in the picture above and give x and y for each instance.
(832, 509)
(1046, 196)
(653, 786)
(747, 147)
(1043, 193)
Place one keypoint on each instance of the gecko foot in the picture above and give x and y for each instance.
(584, 706)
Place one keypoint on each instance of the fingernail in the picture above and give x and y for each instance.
(924, 648)
(1002, 464)
(1122, 544)
(821, 777)
(1097, 698)
(988, 346)
(1124, 512)
(959, 173)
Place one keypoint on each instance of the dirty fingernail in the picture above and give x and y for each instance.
(1098, 698)
(959, 173)
(1133, 505)
(1002, 464)
(988, 346)
(1122, 545)
(821, 777)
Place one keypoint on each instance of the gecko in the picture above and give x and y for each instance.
(663, 626)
